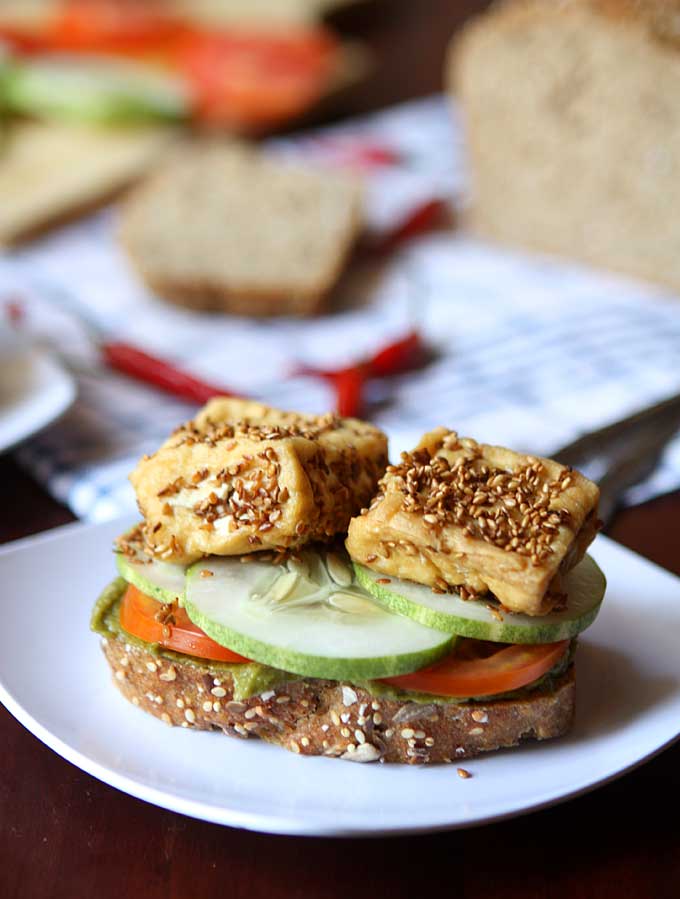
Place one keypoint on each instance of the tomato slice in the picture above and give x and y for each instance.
(252, 80)
(479, 668)
(143, 617)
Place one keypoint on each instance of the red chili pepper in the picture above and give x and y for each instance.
(136, 363)
(349, 387)
(401, 355)
(422, 218)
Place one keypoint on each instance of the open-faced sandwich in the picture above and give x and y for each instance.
(442, 626)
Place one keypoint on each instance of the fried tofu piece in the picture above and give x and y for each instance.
(483, 519)
(243, 477)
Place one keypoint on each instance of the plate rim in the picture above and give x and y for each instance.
(50, 365)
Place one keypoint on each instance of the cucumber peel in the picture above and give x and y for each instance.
(485, 620)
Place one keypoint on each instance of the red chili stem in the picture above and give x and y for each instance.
(394, 358)
(129, 360)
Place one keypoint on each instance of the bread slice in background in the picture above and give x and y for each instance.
(223, 227)
(573, 127)
(50, 173)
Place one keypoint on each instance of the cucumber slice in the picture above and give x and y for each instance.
(484, 620)
(162, 580)
(309, 618)
(103, 91)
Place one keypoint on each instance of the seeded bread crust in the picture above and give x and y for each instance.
(320, 717)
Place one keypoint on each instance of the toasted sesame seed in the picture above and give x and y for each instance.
(282, 699)
(216, 706)
(218, 691)
(335, 718)
(476, 731)
(479, 716)
(120, 675)
(180, 703)
(152, 666)
(377, 718)
(294, 746)
(429, 741)
(305, 741)
(207, 706)
(407, 733)
(249, 714)
(190, 715)
(464, 773)
(168, 675)
(345, 732)
(419, 735)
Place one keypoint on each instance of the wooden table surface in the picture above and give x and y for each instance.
(65, 834)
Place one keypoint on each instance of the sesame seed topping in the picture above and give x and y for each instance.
(190, 715)
(218, 691)
(511, 509)
(407, 733)
(464, 773)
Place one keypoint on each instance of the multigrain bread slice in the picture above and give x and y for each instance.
(573, 129)
(222, 227)
(51, 173)
(322, 717)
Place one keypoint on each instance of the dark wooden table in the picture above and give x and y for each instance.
(65, 835)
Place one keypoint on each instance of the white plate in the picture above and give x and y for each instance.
(54, 680)
(34, 391)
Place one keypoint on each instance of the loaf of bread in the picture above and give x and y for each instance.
(222, 227)
(573, 126)
(50, 173)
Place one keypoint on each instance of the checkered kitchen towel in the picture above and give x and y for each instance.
(532, 352)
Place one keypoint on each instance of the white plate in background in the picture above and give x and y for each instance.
(34, 390)
(628, 708)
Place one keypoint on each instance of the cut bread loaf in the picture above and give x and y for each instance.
(50, 173)
(323, 717)
(574, 129)
(221, 227)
